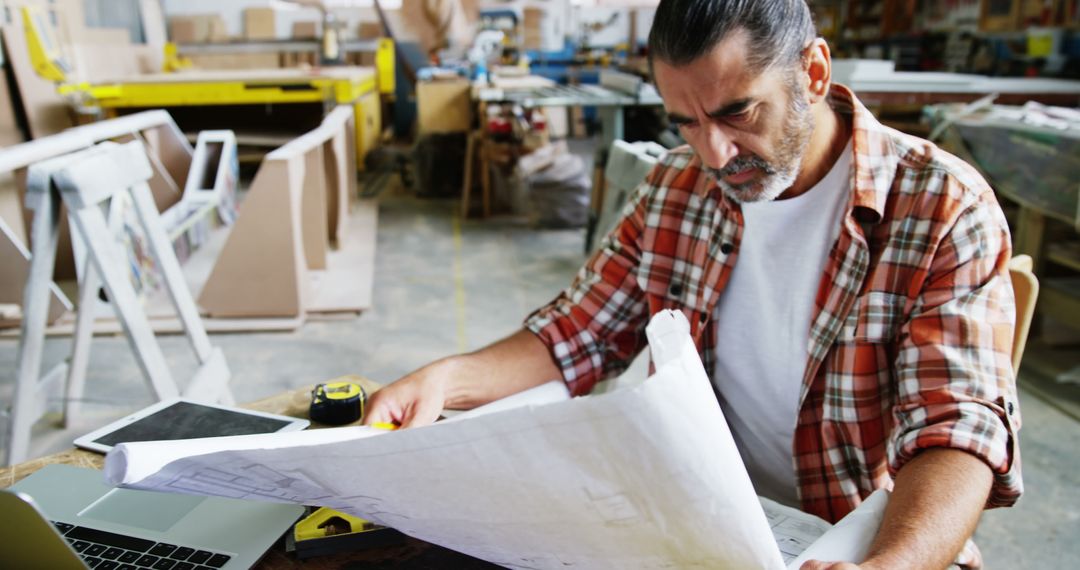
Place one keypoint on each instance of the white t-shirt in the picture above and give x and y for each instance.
(764, 319)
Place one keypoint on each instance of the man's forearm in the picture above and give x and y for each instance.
(515, 363)
(933, 509)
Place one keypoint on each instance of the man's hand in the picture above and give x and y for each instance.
(415, 400)
(515, 363)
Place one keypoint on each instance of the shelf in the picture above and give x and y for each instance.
(1060, 298)
(278, 46)
(1066, 254)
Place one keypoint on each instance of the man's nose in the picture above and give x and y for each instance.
(719, 148)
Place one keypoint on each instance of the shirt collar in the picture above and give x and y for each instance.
(874, 156)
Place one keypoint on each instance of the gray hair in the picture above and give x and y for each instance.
(777, 30)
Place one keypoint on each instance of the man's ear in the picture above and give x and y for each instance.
(818, 69)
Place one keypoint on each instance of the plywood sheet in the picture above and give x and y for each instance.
(101, 53)
(172, 150)
(260, 272)
(46, 112)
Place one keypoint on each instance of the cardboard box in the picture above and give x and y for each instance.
(198, 28)
(259, 24)
(532, 28)
(183, 30)
(305, 30)
(444, 106)
(216, 31)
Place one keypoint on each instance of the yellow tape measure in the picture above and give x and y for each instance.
(337, 403)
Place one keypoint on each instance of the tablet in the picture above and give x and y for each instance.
(178, 418)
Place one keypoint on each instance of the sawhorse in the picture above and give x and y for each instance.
(85, 181)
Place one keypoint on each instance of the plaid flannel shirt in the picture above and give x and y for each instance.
(911, 344)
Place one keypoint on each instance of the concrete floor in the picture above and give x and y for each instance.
(444, 286)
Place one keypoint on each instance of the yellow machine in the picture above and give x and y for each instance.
(173, 61)
(359, 87)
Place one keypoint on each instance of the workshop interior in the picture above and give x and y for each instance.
(227, 225)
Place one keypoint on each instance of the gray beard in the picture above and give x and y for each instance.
(777, 177)
(766, 189)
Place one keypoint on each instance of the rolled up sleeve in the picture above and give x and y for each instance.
(955, 382)
(595, 327)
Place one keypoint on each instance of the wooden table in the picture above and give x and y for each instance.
(413, 553)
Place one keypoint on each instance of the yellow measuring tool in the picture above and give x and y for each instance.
(327, 531)
(337, 403)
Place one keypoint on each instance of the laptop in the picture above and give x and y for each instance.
(67, 517)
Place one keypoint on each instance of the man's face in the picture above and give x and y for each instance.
(750, 130)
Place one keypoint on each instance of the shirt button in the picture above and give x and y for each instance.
(675, 290)
(1009, 406)
(727, 248)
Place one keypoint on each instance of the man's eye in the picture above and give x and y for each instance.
(740, 117)
(688, 125)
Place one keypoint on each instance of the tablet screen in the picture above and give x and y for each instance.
(187, 420)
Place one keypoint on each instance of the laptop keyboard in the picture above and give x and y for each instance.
(103, 550)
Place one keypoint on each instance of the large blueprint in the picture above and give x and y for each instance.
(644, 477)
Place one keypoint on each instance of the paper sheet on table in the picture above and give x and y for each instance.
(646, 477)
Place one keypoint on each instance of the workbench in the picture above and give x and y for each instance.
(411, 553)
(615, 92)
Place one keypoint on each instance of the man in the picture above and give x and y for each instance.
(846, 285)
